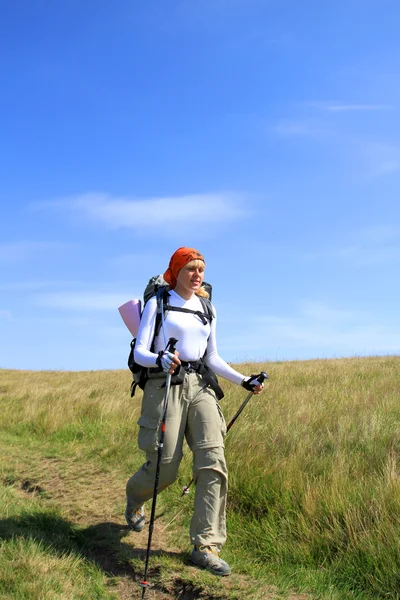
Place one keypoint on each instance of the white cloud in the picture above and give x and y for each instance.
(383, 158)
(371, 247)
(321, 125)
(302, 128)
(369, 156)
(83, 301)
(381, 233)
(319, 329)
(24, 286)
(25, 249)
(323, 313)
(137, 262)
(348, 107)
(157, 213)
(5, 315)
(389, 166)
(209, 14)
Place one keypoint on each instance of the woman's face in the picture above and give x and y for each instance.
(190, 277)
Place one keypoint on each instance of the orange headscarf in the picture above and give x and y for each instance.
(178, 260)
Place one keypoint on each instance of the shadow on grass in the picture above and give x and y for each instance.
(101, 544)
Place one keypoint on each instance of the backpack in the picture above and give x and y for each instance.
(158, 287)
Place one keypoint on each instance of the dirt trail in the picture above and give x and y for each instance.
(94, 500)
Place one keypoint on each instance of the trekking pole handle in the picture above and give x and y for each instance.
(263, 375)
(171, 346)
(250, 384)
(260, 378)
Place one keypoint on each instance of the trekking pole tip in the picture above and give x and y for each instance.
(144, 585)
(185, 490)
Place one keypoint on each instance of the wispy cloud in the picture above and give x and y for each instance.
(23, 250)
(383, 159)
(379, 234)
(82, 301)
(137, 261)
(315, 329)
(5, 315)
(118, 212)
(302, 128)
(26, 286)
(348, 106)
(209, 14)
(370, 247)
(320, 327)
(355, 107)
(338, 123)
(361, 256)
(321, 313)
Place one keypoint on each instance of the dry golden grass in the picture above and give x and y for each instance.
(314, 463)
(56, 398)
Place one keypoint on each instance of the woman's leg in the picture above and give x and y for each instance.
(140, 486)
(208, 524)
(205, 435)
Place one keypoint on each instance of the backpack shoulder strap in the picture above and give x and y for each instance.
(162, 302)
(207, 307)
(206, 316)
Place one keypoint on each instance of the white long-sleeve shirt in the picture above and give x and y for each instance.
(194, 338)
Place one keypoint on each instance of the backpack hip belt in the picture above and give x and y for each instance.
(198, 366)
(192, 366)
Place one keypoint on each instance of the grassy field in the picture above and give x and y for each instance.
(314, 504)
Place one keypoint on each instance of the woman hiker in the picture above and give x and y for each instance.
(193, 410)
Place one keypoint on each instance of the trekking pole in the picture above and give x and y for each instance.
(260, 378)
(144, 584)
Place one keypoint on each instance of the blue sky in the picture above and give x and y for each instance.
(264, 133)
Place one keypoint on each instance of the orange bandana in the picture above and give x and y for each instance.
(178, 260)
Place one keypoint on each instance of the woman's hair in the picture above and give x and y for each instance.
(199, 263)
(202, 292)
(195, 263)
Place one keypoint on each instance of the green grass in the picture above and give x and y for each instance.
(314, 467)
(322, 483)
(40, 554)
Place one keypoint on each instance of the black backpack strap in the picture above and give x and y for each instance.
(207, 374)
(162, 294)
(133, 387)
(205, 371)
(139, 373)
(204, 317)
(207, 307)
(211, 379)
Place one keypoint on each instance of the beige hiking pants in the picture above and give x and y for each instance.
(193, 413)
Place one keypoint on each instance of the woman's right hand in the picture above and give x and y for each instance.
(168, 361)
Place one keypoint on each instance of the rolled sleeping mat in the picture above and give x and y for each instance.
(131, 312)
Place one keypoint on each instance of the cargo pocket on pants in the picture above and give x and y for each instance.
(148, 434)
(223, 422)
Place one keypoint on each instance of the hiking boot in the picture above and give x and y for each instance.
(207, 557)
(135, 518)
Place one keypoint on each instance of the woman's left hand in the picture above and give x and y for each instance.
(258, 389)
(252, 384)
